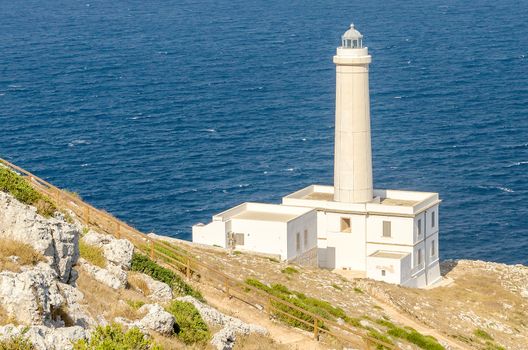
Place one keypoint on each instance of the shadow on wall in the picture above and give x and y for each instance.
(327, 257)
(446, 266)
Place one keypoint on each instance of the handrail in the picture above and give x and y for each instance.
(92, 216)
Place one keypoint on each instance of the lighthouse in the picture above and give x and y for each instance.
(353, 155)
(348, 227)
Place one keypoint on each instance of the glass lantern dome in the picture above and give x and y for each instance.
(352, 39)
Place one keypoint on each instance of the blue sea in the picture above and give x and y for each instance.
(167, 112)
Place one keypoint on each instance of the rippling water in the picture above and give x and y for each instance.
(165, 113)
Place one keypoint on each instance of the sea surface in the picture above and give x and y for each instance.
(167, 112)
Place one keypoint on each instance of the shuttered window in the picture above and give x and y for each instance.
(387, 229)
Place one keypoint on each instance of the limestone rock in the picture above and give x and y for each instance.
(52, 237)
(116, 251)
(76, 313)
(112, 276)
(44, 338)
(159, 291)
(31, 295)
(156, 319)
(224, 339)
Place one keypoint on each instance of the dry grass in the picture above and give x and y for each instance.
(26, 255)
(93, 254)
(105, 301)
(257, 342)
(137, 283)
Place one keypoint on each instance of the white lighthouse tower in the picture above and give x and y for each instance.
(350, 227)
(353, 155)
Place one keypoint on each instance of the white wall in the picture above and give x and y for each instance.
(342, 249)
(214, 233)
(304, 222)
(267, 237)
(402, 230)
(392, 268)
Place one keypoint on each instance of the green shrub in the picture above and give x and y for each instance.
(135, 304)
(190, 328)
(93, 254)
(113, 337)
(358, 290)
(290, 270)
(316, 306)
(377, 335)
(412, 336)
(492, 346)
(143, 264)
(16, 343)
(19, 188)
(336, 286)
(482, 334)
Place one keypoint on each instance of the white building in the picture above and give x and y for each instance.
(386, 235)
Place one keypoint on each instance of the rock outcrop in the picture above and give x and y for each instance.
(159, 291)
(118, 255)
(226, 337)
(52, 237)
(45, 338)
(156, 319)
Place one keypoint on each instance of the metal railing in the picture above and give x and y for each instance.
(179, 260)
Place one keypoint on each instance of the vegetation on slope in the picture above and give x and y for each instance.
(113, 337)
(14, 254)
(93, 254)
(190, 328)
(19, 188)
(412, 336)
(16, 343)
(144, 264)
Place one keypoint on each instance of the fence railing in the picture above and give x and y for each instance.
(178, 259)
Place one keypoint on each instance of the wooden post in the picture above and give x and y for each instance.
(316, 330)
(58, 196)
(269, 306)
(188, 268)
(151, 242)
(118, 230)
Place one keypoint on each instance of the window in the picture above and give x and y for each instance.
(239, 238)
(345, 225)
(305, 239)
(419, 227)
(433, 248)
(298, 242)
(386, 229)
(433, 219)
(419, 257)
(383, 272)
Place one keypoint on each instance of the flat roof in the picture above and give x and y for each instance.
(388, 255)
(320, 196)
(265, 216)
(398, 202)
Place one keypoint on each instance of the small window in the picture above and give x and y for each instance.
(419, 256)
(239, 238)
(433, 248)
(305, 238)
(387, 229)
(433, 219)
(383, 272)
(345, 225)
(298, 242)
(419, 227)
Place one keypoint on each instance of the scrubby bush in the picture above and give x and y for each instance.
(19, 188)
(290, 270)
(16, 343)
(143, 264)
(190, 328)
(93, 254)
(412, 336)
(482, 334)
(113, 337)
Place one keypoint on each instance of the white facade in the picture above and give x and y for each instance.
(386, 235)
(288, 233)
